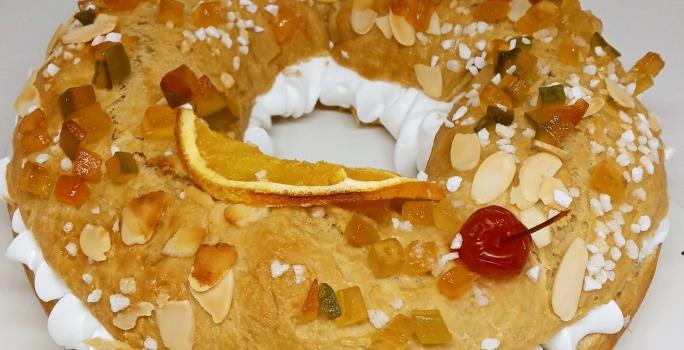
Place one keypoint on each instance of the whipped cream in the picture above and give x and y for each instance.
(410, 116)
(605, 319)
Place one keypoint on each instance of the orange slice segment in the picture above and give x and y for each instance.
(235, 171)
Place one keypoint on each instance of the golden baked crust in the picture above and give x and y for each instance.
(266, 305)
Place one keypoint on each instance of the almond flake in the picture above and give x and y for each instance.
(102, 25)
(493, 177)
(596, 104)
(185, 242)
(176, 325)
(95, 242)
(242, 215)
(217, 300)
(384, 26)
(548, 187)
(533, 171)
(516, 198)
(619, 94)
(543, 146)
(435, 25)
(198, 196)
(531, 217)
(140, 217)
(211, 264)
(402, 30)
(430, 79)
(126, 320)
(362, 21)
(567, 286)
(465, 152)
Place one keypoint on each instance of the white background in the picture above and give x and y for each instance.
(632, 26)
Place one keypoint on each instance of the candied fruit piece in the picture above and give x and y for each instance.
(360, 231)
(606, 177)
(158, 122)
(71, 137)
(554, 124)
(418, 212)
(208, 13)
(352, 306)
(121, 167)
(492, 11)
(651, 64)
(94, 121)
(34, 133)
(171, 10)
(379, 211)
(101, 77)
(544, 14)
(71, 190)
(515, 87)
(76, 98)
(327, 302)
(386, 257)
(119, 5)
(598, 40)
(86, 17)
(87, 165)
(456, 281)
(286, 23)
(417, 12)
(552, 95)
(116, 61)
(570, 53)
(494, 115)
(420, 257)
(492, 95)
(395, 335)
(310, 306)
(180, 86)
(212, 106)
(430, 328)
(446, 217)
(35, 179)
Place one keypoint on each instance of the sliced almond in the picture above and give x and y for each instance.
(127, 319)
(518, 9)
(362, 21)
(532, 217)
(176, 325)
(198, 196)
(140, 217)
(102, 25)
(430, 79)
(548, 186)
(567, 286)
(533, 171)
(242, 215)
(384, 26)
(217, 301)
(211, 265)
(516, 198)
(619, 94)
(465, 152)
(185, 242)
(57, 36)
(402, 30)
(95, 242)
(596, 104)
(435, 25)
(493, 177)
(217, 223)
(543, 146)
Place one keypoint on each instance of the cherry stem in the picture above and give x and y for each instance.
(534, 229)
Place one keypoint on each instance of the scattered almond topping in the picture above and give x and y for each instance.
(531, 217)
(95, 242)
(217, 301)
(185, 242)
(435, 25)
(543, 146)
(465, 152)
(533, 171)
(518, 9)
(619, 94)
(384, 26)
(493, 177)
(362, 19)
(211, 265)
(140, 217)
(242, 215)
(102, 25)
(198, 196)
(567, 286)
(127, 285)
(596, 104)
(548, 187)
(430, 79)
(176, 325)
(126, 320)
(516, 198)
(402, 30)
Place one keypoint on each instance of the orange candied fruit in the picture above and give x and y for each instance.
(212, 106)
(87, 165)
(492, 95)
(395, 335)
(456, 281)
(418, 212)
(76, 98)
(180, 86)
(386, 257)
(492, 11)
(286, 23)
(36, 179)
(119, 5)
(121, 167)
(420, 257)
(71, 137)
(607, 178)
(379, 211)
(171, 10)
(71, 190)
(94, 121)
(209, 13)
(360, 231)
(515, 87)
(570, 53)
(352, 305)
(554, 124)
(544, 14)
(34, 133)
(158, 122)
(417, 12)
(310, 306)
(430, 327)
(645, 70)
(446, 217)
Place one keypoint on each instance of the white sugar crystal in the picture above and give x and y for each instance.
(299, 271)
(377, 318)
(490, 344)
(533, 273)
(94, 296)
(453, 183)
(397, 304)
(150, 344)
(278, 269)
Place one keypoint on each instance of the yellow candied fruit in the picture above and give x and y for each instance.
(180, 86)
(94, 121)
(492, 11)
(352, 305)
(34, 132)
(360, 231)
(394, 336)
(607, 178)
(420, 257)
(417, 12)
(122, 167)
(36, 179)
(651, 64)
(386, 257)
(446, 217)
(158, 122)
(209, 13)
(418, 212)
(171, 10)
(430, 328)
(515, 87)
(76, 98)
(119, 5)
(544, 14)
(570, 53)
(310, 306)
(378, 211)
(456, 281)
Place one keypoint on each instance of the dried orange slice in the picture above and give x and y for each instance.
(238, 172)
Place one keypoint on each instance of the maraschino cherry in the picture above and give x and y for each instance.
(495, 243)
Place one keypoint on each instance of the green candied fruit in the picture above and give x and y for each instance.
(552, 95)
(327, 302)
(86, 17)
(118, 64)
(495, 115)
